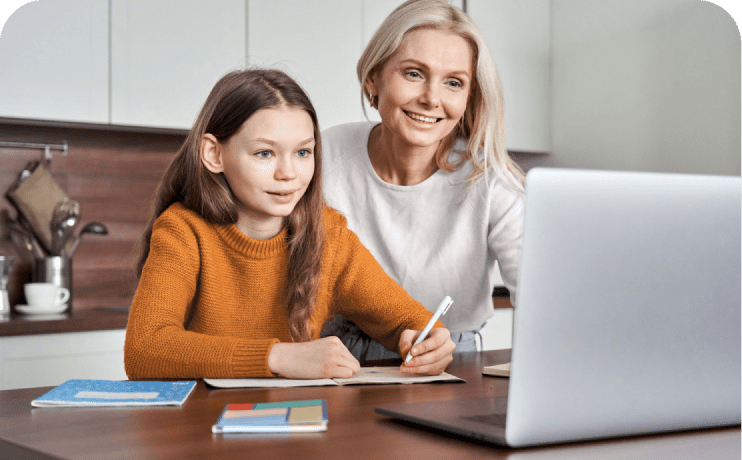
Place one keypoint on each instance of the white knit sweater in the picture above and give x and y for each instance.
(434, 238)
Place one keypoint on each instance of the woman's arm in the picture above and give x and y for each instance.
(506, 232)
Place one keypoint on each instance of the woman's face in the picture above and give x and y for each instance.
(424, 87)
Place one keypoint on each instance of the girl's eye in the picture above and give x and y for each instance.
(263, 154)
(303, 153)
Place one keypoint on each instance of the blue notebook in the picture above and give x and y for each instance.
(291, 416)
(96, 393)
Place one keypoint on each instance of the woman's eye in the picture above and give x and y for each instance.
(263, 154)
(303, 153)
(413, 74)
(455, 84)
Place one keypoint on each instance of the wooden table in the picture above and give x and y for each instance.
(354, 431)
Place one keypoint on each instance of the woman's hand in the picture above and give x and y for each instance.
(429, 357)
(318, 359)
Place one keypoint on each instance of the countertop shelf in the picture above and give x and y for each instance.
(95, 319)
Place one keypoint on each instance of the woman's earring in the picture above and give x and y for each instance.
(374, 101)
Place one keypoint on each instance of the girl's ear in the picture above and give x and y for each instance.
(211, 154)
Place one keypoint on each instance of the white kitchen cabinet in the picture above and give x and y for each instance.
(54, 61)
(166, 57)
(518, 36)
(152, 64)
(318, 43)
(497, 334)
(51, 359)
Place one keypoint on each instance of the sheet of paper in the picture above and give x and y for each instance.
(268, 383)
(366, 376)
(392, 375)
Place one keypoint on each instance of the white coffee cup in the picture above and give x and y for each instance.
(45, 295)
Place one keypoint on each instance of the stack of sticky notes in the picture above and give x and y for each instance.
(291, 416)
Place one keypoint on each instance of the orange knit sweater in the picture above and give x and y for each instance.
(209, 302)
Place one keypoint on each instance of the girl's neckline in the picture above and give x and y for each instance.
(256, 249)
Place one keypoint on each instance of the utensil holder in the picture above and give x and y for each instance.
(6, 263)
(57, 270)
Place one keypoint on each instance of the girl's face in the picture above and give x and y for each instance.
(424, 87)
(268, 164)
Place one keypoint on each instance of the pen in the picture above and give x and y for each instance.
(440, 311)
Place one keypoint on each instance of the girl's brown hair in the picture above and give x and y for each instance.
(234, 99)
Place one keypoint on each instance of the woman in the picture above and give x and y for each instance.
(431, 190)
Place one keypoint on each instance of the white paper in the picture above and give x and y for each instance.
(366, 376)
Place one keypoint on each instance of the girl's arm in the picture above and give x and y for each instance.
(323, 358)
(366, 295)
(157, 342)
(431, 356)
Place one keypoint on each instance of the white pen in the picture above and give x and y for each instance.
(440, 311)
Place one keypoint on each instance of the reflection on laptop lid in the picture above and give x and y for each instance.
(628, 315)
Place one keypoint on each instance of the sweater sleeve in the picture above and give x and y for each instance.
(506, 232)
(157, 344)
(366, 295)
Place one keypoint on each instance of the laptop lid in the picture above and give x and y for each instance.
(628, 315)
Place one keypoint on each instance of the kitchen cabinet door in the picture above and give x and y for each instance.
(54, 61)
(518, 36)
(41, 360)
(318, 43)
(166, 57)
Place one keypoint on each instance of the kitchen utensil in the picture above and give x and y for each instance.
(65, 218)
(93, 228)
(57, 270)
(6, 262)
(27, 237)
(35, 199)
(16, 229)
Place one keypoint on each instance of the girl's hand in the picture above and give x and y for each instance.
(429, 357)
(318, 359)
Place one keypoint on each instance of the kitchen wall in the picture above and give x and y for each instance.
(113, 174)
(635, 85)
(645, 85)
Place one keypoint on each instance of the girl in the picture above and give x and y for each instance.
(242, 262)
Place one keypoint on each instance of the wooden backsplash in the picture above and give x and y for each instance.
(113, 174)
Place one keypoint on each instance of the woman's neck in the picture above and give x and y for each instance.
(399, 164)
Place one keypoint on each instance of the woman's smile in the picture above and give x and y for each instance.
(423, 118)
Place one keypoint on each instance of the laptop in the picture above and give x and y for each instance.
(628, 313)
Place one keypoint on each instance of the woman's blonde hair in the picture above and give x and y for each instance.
(234, 99)
(483, 123)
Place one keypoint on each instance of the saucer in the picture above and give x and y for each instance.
(34, 310)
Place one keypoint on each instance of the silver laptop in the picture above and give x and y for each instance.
(628, 315)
